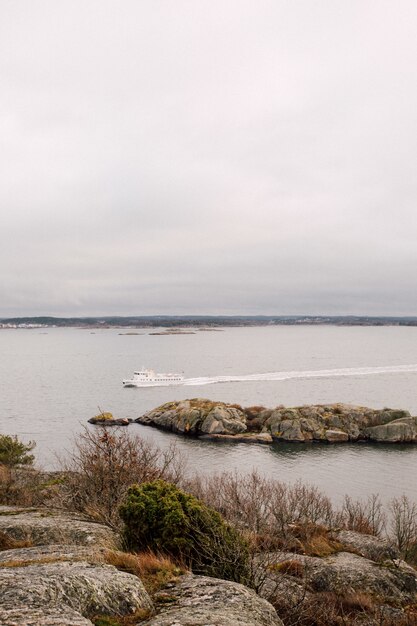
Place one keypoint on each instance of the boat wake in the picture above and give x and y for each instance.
(330, 373)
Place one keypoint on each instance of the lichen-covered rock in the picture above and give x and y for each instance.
(370, 547)
(52, 553)
(56, 584)
(336, 436)
(34, 616)
(197, 416)
(85, 588)
(107, 419)
(202, 601)
(397, 431)
(335, 423)
(47, 526)
(242, 438)
(332, 423)
(345, 572)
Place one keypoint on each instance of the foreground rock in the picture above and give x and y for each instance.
(56, 616)
(86, 588)
(61, 583)
(203, 601)
(46, 526)
(333, 423)
(36, 555)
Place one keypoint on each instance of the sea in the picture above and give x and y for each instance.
(53, 380)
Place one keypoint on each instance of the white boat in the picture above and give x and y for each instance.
(150, 378)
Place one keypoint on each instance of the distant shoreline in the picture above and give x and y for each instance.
(202, 322)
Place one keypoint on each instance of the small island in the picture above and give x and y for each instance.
(330, 423)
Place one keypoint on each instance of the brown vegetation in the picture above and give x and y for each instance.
(105, 463)
(9, 543)
(290, 568)
(154, 570)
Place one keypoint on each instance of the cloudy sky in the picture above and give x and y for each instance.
(208, 156)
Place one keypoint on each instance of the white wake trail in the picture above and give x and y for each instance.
(271, 376)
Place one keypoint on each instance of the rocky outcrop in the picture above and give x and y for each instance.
(242, 438)
(34, 616)
(46, 526)
(202, 601)
(88, 589)
(52, 553)
(107, 419)
(344, 573)
(372, 548)
(398, 431)
(56, 584)
(197, 417)
(333, 423)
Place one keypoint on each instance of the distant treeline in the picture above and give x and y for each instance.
(211, 321)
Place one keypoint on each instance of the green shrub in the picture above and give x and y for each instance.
(159, 516)
(14, 453)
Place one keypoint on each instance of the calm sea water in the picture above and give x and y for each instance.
(53, 380)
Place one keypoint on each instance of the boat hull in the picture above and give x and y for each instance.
(154, 383)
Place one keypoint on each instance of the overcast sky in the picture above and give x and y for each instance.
(208, 156)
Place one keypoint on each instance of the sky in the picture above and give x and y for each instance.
(208, 156)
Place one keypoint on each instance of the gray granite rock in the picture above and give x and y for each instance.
(345, 572)
(336, 436)
(370, 547)
(203, 601)
(118, 421)
(403, 430)
(336, 423)
(34, 616)
(84, 588)
(51, 553)
(242, 438)
(56, 584)
(197, 416)
(48, 526)
(332, 423)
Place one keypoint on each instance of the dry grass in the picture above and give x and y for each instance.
(329, 609)
(43, 560)
(123, 620)
(9, 543)
(322, 546)
(290, 568)
(315, 540)
(154, 570)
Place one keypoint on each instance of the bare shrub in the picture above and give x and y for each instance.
(26, 486)
(300, 504)
(403, 526)
(364, 516)
(105, 463)
(328, 609)
(242, 500)
(273, 517)
(20, 483)
(261, 505)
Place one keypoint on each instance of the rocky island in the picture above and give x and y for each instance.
(331, 423)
